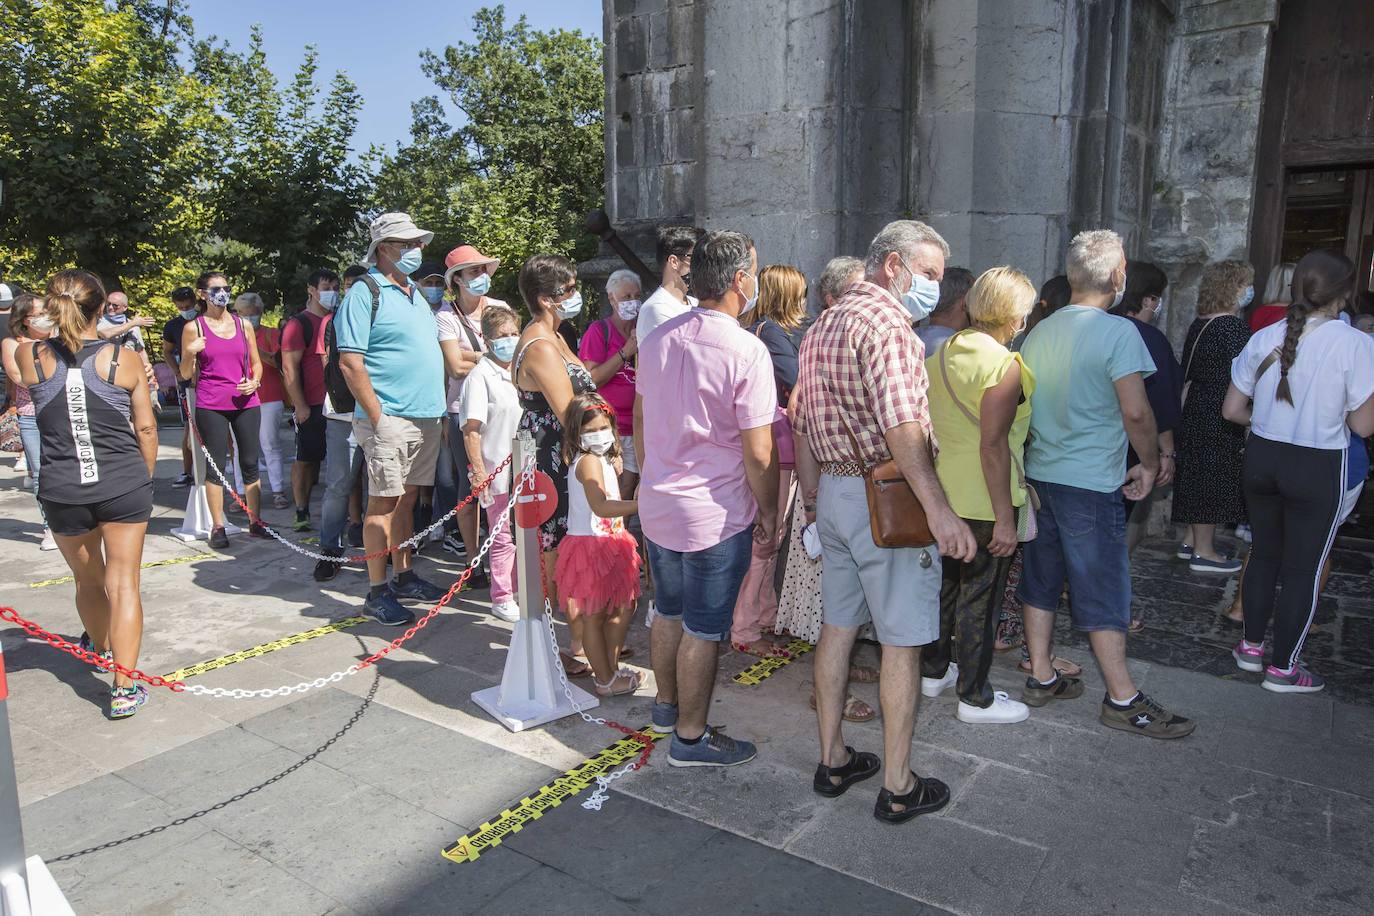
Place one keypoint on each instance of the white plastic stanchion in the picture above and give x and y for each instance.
(197, 523)
(530, 693)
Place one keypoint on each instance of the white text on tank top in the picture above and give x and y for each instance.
(80, 420)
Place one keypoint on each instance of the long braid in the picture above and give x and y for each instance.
(1298, 310)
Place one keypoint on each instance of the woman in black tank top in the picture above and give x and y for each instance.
(99, 444)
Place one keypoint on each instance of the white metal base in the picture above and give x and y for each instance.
(531, 693)
(197, 523)
(44, 897)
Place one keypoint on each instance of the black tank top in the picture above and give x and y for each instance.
(89, 451)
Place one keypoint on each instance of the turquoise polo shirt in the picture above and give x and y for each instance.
(400, 349)
(1077, 436)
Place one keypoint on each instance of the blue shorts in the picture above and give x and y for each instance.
(700, 587)
(1082, 538)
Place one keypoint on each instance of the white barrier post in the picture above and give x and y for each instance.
(197, 523)
(531, 691)
(26, 887)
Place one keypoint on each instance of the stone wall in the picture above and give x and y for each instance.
(1205, 179)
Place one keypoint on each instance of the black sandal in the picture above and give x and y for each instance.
(926, 796)
(861, 766)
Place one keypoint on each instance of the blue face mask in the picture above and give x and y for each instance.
(254, 320)
(923, 295)
(433, 294)
(1247, 296)
(117, 317)
(409, 262)
(479, 286)
(188, 314)
(570, 307)
(503, 348)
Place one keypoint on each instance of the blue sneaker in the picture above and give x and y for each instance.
(665, 717)
(387, 611)
(417, 589)
(715, 749)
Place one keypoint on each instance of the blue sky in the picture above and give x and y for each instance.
(376, 43)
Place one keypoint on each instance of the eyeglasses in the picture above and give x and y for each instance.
(216, 289)
(406, 244)
(564, 291)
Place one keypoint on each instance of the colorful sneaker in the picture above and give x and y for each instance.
(124, 701)
(302, 521)
(1145, 717)
(1062, 687)
(1296, 680)
(714, 749)
(1248, 657)
(86, 644)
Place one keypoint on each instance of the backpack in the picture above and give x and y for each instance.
(340, 395)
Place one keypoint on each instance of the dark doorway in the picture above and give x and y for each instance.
(1330, 208)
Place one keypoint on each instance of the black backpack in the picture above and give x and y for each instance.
(340, 395)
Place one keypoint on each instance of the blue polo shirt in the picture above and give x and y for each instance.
(400, 349)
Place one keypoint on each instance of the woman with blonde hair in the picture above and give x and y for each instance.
(980, 394)
(1211, 449)
(99, 445)
(1278, 293)
(778, 313)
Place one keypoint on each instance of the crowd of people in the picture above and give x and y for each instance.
(714, 446)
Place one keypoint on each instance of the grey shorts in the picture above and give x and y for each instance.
(897, 589)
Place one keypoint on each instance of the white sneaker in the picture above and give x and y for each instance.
(21, 464)
(933, 687)
(650, 615)
(47, 543)
(508, 611)
(1003, 711)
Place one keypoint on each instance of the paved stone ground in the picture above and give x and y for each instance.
(334, 802)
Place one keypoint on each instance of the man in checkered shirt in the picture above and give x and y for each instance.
(862, 373)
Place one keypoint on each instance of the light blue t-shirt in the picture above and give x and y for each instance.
(400, 349)
(1077, 437)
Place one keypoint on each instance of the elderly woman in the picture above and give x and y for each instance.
(980, 395)
(608, 350)
(1211, 449)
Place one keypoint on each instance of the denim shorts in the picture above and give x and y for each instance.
(700, 587)
(1081, 538)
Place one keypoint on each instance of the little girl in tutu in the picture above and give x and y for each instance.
(598, 562)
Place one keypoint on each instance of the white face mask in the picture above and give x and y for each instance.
(752, 300)
(598, 441)
(329, 299)
(628, 310)
(42, 324)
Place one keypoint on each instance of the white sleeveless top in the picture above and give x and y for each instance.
(581, 520)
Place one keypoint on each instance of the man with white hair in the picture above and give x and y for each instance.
(608, 350)
(1089, 369)
(839, 274)
(862, 400)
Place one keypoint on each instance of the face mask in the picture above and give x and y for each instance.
(503, 348)
(409, 262)
(220, 297)
(628, 310)
(752, 300)
(1116, 300)
(188, 314)
(480, 285)
(598, 442)
(433, 294)
(1247, 296)
(329, 299)
(42, 325)
(923, 295)
(254, 320)
(570, 307)
(117, 317)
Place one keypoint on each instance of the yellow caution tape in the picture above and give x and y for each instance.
(551, 795)
(182, 674)
(763, 669)
(189, 558)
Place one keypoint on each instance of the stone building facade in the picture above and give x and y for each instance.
(1009, 125)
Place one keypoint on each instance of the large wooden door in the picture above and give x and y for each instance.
(1316, 143)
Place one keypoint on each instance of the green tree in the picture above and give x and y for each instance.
(286, 198)
(524, 163)
(103, 138)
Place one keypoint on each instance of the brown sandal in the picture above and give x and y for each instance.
(774, 650)
(851, 703)
(1062, 665)
(574, 667)
(863, 674)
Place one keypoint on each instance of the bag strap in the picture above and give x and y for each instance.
(467, 328)
(944, 374)
(1188, 363)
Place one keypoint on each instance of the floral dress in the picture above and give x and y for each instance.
(539, 420)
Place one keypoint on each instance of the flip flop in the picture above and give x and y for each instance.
(776, 651)
(572, 667)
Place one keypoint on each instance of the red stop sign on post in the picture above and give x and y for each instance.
(534, 509)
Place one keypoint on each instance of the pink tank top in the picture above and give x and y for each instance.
(223, 364)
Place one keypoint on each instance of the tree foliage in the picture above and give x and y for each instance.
(524, 163)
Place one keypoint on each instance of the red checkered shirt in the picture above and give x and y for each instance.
(860, 362)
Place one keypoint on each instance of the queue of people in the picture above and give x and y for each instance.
(712, 449)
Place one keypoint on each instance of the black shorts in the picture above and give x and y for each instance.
(75, 520)
(310, 436)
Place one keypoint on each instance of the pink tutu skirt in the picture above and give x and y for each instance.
(599, 573)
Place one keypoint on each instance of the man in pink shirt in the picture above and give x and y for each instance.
(705, 444)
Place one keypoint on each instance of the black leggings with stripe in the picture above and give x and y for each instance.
(1293, 495)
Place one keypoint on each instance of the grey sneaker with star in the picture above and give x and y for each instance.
(1145, 717)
